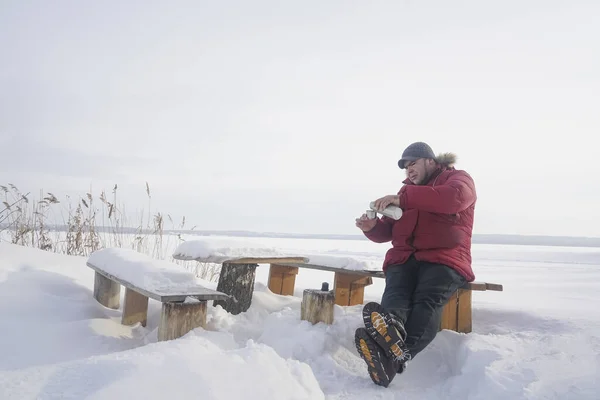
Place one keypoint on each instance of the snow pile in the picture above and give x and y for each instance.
(218, 249)
(539, 339)
(208, 368)
(58, 342)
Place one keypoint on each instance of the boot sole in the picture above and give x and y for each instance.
(386, 336)
(367, 349)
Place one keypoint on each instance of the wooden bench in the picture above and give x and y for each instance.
(237, 279)
(348, 287)
(183, 300)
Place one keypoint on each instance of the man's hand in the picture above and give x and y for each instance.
(383, 202)
(366, 224)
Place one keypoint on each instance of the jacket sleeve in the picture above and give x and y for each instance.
(455, 195)
(382, 232)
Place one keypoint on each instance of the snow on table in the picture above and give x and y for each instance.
(157, 279)
(218, 250)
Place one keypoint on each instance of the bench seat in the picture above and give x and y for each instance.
(183, 299)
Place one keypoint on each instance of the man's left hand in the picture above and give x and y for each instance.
(383, 202)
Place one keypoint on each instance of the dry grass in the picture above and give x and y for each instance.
(84, 225)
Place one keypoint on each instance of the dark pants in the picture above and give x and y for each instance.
(416, 292)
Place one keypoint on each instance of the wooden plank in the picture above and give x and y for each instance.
(350, 288)
(177, 319)
(242, 260)
(494, 286)
(464, 316)
(449, 314)
(166, 294)
(478, 286)
(107, 291)
(377, 274)
(282, 279)
(135, 308)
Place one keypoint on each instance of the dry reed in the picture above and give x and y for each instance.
(91, 223)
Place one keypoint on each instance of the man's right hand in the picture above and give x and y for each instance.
(366, 224)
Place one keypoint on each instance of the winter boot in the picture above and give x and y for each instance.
(382, 369)
(387, 331)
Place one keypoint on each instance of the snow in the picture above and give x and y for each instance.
(219, 249)
(193, 365)
(156, 276)
(539, 339)
(225, 248)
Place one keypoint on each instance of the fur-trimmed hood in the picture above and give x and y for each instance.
(446, 159)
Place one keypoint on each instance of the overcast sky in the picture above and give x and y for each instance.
(290, 117)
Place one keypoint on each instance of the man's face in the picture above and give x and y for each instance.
(419, 171)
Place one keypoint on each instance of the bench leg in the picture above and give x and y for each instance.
(107, 292)
(236, 280)
(135, 308)
(282, 279)
(350, 288)
(457, 314)
(464, 310)
(177, 319)
(449, 319)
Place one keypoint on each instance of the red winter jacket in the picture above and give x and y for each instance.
(436, 223)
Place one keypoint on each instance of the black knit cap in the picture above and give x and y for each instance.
(414, 152)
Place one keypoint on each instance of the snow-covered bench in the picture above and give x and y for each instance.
(183, 299)
(351, 276)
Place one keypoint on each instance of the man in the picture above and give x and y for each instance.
(429, 260)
